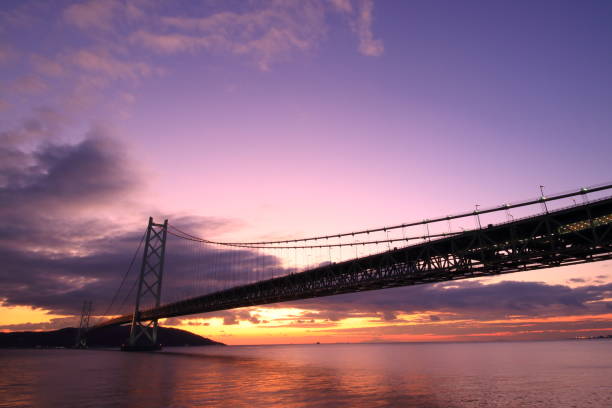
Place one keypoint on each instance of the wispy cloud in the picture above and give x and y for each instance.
(265, 34)
(30, 84)
(128, 41)
(6, 53)
(362, 25)
(104, 63)
(41, 126)
(22, 15)
(361, 18)
(47, 66)
(101, 14)
(344, 6)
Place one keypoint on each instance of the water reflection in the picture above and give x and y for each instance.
(427, 375)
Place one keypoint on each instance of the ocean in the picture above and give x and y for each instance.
(570, 373)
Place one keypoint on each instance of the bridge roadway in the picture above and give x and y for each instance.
(573, 235)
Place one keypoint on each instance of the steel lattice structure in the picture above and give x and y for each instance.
(149, 286)
(578, 234)
(81, 337)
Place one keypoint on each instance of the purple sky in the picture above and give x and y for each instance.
(267, 119)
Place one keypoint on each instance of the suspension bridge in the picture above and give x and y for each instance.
(202, 275)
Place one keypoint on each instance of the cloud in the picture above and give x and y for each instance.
(51, 242)
(470, 330)
(93, 14)
(468, 299)
(47, 66)
(62, 241)
(117, 38)
(265, 34)
(104, 15)
(6, 53)
(127, 97)
(60, 177)
(104, 63)
(43, 124)
(170, 43)
(53, 324)
(389, 315)
(29, 84)
(23, 15)
(362, 25)
(303, 324)
(230, 319)
(360, 14)
(463, 310)
(344, 6)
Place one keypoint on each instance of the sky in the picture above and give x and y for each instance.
(263, 120)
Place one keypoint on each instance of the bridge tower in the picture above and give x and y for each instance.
(143, 332)
(81, 337)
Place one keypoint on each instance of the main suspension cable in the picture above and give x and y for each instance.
(333, 245)
(504, 207)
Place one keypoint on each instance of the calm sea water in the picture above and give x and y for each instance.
(514, 374)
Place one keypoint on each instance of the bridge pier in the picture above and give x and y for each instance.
(143, 332)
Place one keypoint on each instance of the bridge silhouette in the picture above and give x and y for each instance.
(562, 231)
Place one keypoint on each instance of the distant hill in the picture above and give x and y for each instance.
(107, 337)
